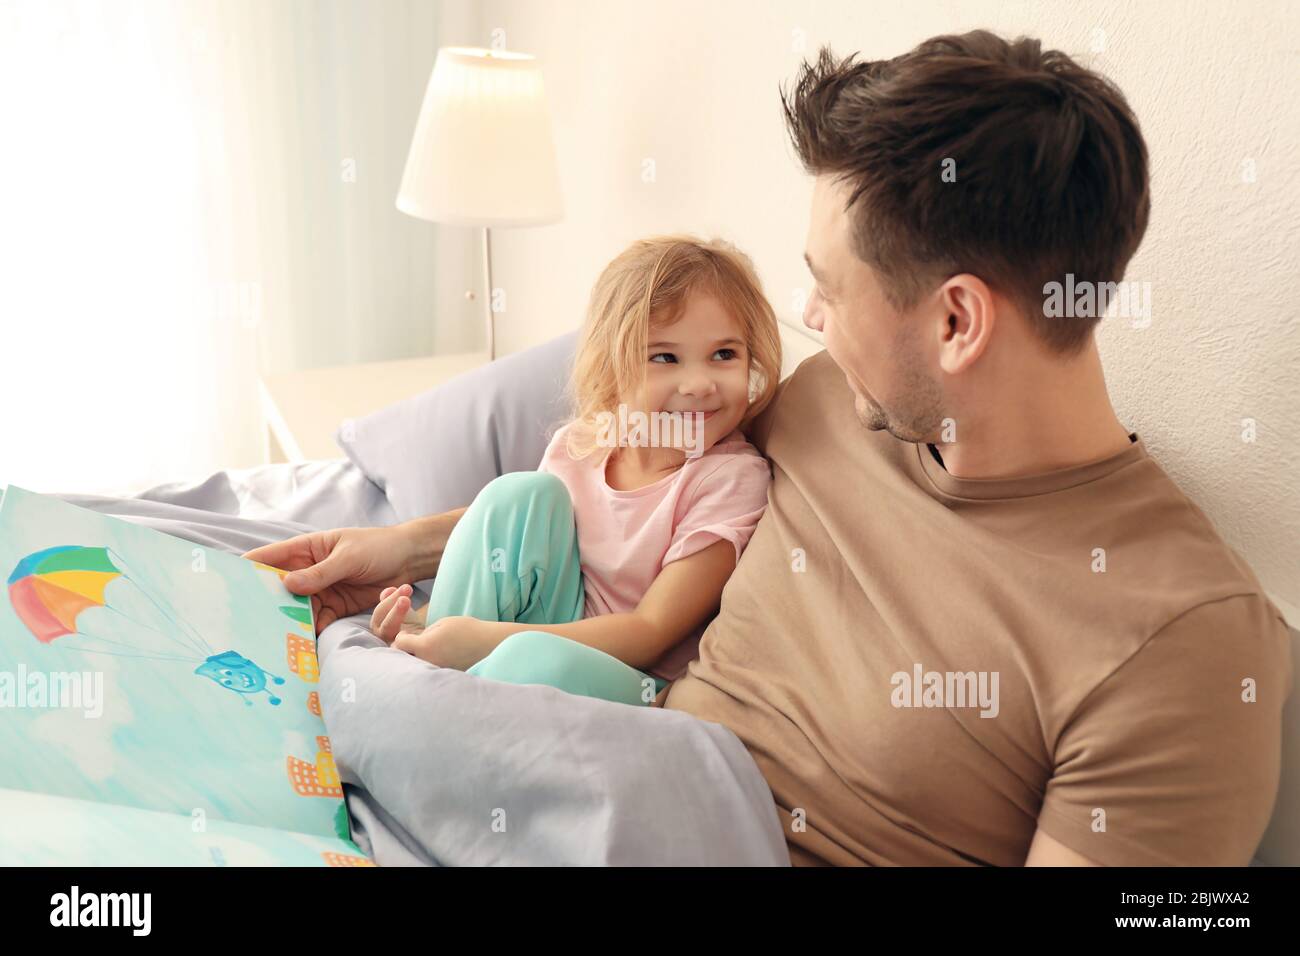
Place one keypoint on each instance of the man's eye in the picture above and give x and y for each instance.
(663, 355)
(731, 353)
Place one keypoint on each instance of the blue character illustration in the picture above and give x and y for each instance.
(236, 672)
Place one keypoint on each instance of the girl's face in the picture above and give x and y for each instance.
(700, 363)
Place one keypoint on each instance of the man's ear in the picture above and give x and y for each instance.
(967, 316)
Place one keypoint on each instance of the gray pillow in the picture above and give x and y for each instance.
(435, 451)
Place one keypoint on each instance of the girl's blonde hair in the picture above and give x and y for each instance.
(646, 287)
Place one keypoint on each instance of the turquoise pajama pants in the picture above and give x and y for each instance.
(513, 556)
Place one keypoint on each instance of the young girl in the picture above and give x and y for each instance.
(597, 573)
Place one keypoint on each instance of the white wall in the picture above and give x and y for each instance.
(693, 87)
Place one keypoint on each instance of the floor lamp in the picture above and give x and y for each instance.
(483, 154)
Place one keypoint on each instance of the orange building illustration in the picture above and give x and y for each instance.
(302, 658)
(319, 779)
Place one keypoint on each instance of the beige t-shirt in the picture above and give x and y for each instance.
(1136, 715)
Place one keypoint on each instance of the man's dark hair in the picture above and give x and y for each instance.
(1051, 168)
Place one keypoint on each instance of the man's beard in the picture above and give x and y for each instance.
(869, 413)
(921, 421)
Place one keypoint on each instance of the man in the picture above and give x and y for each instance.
(977, 623)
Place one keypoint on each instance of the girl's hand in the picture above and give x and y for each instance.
(457, 642)
(394, 614)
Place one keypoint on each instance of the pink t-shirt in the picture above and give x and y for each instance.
(626, 537)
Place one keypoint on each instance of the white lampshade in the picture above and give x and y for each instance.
(482, 154)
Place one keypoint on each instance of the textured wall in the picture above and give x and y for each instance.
(693, 87)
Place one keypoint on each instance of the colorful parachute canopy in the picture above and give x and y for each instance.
(49, 588)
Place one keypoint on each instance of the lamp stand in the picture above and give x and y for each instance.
(487, 303)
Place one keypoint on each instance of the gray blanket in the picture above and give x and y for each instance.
(441, 768)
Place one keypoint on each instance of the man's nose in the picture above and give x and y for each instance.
(812, 314)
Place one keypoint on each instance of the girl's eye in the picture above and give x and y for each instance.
(731, 353)
(663, 355)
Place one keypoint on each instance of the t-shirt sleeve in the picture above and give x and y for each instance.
(725, 506)
(554, 447)
(1174, 759)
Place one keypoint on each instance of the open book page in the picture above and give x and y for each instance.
(39, 830)
(142, 670)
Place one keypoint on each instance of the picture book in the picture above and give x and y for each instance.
(158, 701)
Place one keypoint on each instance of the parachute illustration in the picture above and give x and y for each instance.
(89, 597)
